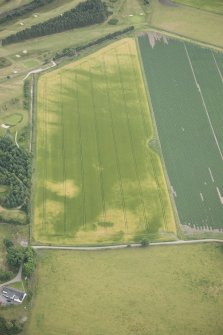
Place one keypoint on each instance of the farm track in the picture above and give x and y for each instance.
(123, 246)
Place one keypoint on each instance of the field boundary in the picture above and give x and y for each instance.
(183, 5)
(181, 37)
(123, 246)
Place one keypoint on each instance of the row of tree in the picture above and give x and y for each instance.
(22, 10)
(15, 172)
(75, 50)
(84, 14)
(26, 94)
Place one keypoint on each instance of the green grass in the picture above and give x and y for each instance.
(13, 119)
(187, 21)
(93, 162)
(161, 290)
(13, 214)
(16, 121)
(132, 12)
(30, 63)
(209, 5)
(4, 62)
(3, 189)
(191, 137)
(5, 6)
(18, 285)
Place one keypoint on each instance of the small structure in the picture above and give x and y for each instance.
(13, 294)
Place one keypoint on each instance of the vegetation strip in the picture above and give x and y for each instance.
(123, 246)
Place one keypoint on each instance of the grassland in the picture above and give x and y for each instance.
(209, 5)
(185, 84)
(132, 12)
(9, 5)
(97, 180)
(187, 21)
(173, 290)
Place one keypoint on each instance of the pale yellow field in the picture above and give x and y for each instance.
(97, 179)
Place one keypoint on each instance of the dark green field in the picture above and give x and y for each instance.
(186, 88)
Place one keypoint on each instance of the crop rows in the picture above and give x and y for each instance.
(98, 168)
(185, 84)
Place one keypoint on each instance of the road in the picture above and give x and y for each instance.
(122, 246)
(40, 70)
(17, 278)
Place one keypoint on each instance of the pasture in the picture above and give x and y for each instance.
(97, 180)
(185, 85)
(215, 6)
(187, 21)
(157, 290)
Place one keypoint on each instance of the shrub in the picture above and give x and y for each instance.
(144, 242)
(8, 327)
(5, 275)
(8, 243)
(113, 21)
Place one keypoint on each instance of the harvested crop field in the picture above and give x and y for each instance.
(186, 89)
(97, 179)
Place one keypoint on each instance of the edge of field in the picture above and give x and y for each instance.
(175, 35)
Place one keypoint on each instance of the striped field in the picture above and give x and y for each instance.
(97, 179)
(186, 88)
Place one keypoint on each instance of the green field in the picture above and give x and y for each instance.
(97, 180)
(185, 84)
(209, 5)
(187, 22)
(12, 119)
(161, 290)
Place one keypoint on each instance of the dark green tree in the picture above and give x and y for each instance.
(15, 256)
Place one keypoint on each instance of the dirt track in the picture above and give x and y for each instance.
(122, 246)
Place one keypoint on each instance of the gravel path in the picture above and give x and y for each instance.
(122, 246)
(40, 70)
